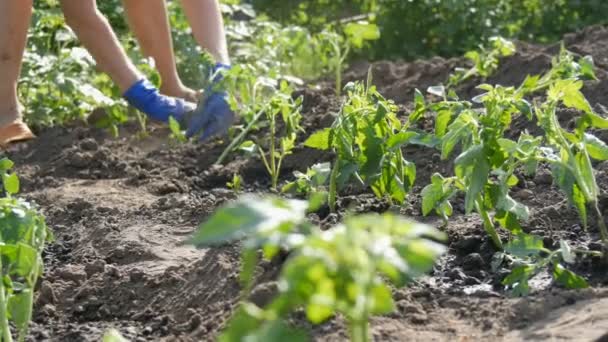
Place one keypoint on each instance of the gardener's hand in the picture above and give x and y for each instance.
(146, 98)
(213, 115)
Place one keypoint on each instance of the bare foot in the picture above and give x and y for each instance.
(13, 129)
(181, 92)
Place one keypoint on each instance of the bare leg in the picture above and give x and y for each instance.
(148, 20)
(95, 33)
(207, 25)
(14, 21)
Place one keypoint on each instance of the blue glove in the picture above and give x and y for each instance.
(144, 97)
(213, 115)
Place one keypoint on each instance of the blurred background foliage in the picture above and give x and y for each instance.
(276, 38)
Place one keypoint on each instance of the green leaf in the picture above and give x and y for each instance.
(400, 139)
(361, 31)
(249, 324)
(382, 300)
(518, 279)
(596, 121)
(425, 139)
(316, 200)
(249, 215)
(432, 194)
(112, 335)
(11, 183)
(567, 278)
(20, 308)
(508, 221)
(6, 164)
(596, 148)
(587, 68)
(569, 92)
(473, 165)
(442, 121)
(525, 246)
(579, 202)
(587, 178)
(319, 140)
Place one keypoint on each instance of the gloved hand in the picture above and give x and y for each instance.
(144, 97)
(213, 115)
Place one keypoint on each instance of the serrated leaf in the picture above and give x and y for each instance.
(249, 215)
(596, 148)
(567, 278)
(319, 139)
(568, 91)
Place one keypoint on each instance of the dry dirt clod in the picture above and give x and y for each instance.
(73, 273)
(97, 266)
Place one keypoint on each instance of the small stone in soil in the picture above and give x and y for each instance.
(473, 261)
(89, 144)
(524, 194)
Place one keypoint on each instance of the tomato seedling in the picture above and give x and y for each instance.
(367, 138)
(343, 270)
(23, 234)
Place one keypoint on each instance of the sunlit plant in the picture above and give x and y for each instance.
(343, 270)
(23, 234)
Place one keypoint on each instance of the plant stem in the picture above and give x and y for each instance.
(488, 226)
(359, 331)
(241, 135)
(333, 187)
(600, 222)
(274, 173)
(4, 327)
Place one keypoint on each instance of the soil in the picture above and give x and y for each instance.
(121, 207)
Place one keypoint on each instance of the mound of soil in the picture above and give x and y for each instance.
(121, 207)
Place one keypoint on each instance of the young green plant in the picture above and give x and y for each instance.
(343, 270)
(367, 137)
(277, 148)
(23, 234)
(528, 256)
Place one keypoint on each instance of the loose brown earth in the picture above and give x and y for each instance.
(120, 208)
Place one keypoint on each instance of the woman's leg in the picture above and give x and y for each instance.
(95, 33)
(148, 20)
(207, 25)
(14, 21)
